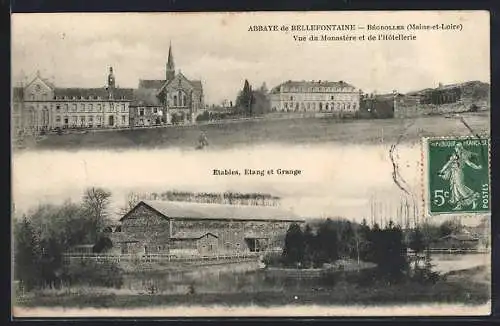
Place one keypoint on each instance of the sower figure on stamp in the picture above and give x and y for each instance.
(461, 195)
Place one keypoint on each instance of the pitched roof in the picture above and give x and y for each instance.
(312, 83)
(191, 235)
(146, 97)
(460, 237)
(197, 85)
(192, 210)
(151, 83)
(118, 93)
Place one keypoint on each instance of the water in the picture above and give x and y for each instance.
(247, 278)
(445, 263)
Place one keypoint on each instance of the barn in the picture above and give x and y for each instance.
(190, 228)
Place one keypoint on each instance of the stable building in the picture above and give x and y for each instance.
(190, 228)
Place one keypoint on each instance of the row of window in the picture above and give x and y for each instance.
(111, 107)
(45, 97)
(316, 89)
(292, 98)
(142, 111)
(84, 120)
(327, 106)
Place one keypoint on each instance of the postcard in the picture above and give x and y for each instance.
(251, 164)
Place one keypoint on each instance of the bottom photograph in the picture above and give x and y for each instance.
(147, 238)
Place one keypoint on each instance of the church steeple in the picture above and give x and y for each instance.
(111, 79)
(170, 74)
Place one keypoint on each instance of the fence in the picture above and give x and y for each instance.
(158, 257)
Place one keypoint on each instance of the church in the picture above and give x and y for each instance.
(173, 100)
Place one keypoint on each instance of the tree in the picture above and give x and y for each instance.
(244, 100)
(309, 245)
(263, 88)
(131, 200)
(294, 245)
(449, 227)
(26, 254)
(417, 241)
(327, 241)
(95, 203)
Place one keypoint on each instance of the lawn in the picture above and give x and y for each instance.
(284, 131)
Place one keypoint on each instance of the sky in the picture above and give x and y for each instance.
(76, 49)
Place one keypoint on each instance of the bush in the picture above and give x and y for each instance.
(273, 259)
(91, 273)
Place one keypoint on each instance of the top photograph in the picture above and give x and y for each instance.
(221, 80)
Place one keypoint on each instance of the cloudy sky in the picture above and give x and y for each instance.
(77, 49)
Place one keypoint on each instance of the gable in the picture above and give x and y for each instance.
(143, 211)
(38, 90)
(180, 82)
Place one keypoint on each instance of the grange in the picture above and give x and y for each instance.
(188, 228)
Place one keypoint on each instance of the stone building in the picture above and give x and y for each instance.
(445, 99)
(315, 96)
(181, 97)
(203, 229)
(41, 106)
(146, 108)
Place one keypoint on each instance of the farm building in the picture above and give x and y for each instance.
(169, 227)
(457, 241)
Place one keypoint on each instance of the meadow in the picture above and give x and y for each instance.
(265, 131)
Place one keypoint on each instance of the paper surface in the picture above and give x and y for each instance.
(270, 119)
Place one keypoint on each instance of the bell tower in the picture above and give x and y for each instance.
(111, 79)
(111, 83)
(170, 71)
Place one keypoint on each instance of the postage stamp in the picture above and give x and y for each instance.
(458, 174)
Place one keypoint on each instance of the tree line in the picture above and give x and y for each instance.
(331, 240)
(43, 235)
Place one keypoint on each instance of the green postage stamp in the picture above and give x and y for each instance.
(457, 173)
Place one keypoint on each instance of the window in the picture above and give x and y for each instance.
(124, 109)
(141, 112)
(175, 100)
(83, 107)
(73, 109)
(331, 98)
(58, 108)
(99, 108)
(155, 110)
(148, 110)
(58, 118)
(123, 119)
(90, 118)
(90, 107)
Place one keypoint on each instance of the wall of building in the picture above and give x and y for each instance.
(315, 99)
(147, 227)
(231, 234)
(146, 116)
(73, 114)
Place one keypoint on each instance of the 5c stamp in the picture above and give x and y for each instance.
(457, 175)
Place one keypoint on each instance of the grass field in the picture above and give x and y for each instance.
(284, 131)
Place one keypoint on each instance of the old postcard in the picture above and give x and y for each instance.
(251, 164)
